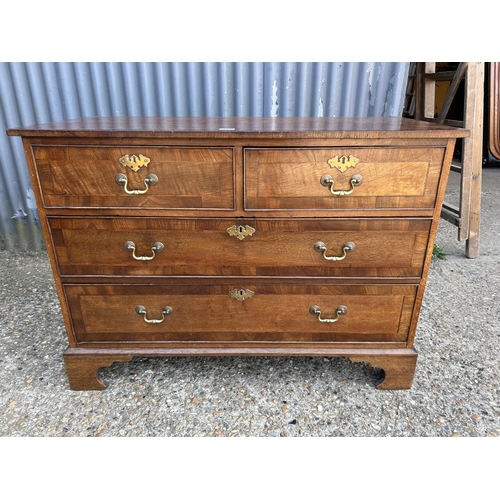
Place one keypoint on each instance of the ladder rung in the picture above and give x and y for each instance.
(441, 76)
(451, 208)
(449, 213)
(454, 123)
(451, 123)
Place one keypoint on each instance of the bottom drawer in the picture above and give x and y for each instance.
(240, 312)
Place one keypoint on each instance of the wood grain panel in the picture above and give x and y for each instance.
(383, 247)
(276, 128)
(392, 178)
(276, 312)
(85, 177)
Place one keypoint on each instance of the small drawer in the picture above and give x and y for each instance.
(339, 179)
(240, 311)
(243, 247)
(136, 177)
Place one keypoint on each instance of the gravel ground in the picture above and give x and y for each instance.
(456, 390)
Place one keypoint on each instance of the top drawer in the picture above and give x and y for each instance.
(146, 177)
(343, 178)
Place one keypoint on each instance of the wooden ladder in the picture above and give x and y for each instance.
(422, 83)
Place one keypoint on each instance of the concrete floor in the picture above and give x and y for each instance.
(456, 391)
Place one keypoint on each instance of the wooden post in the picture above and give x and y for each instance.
(430, 91)
(473, 158)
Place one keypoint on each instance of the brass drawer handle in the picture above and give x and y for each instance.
(341, 310)
(327, 181)
(166, 311)
(319, 246)
(150, 180)
(157, 247)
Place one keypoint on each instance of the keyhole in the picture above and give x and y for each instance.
(240, 229)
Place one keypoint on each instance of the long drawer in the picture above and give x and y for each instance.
(240, 311)
(242, 247)
(339, 179)
(146, 177)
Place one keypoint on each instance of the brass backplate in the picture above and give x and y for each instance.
(240, 232)
(241, 294)
(134, 162)
(342, 163)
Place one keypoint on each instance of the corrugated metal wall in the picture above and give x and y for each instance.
(34, 93)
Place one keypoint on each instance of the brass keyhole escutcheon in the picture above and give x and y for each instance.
(342, 163)
(240, 232)
(134, 162)
(241, 294)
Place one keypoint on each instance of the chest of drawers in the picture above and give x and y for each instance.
(239, 236)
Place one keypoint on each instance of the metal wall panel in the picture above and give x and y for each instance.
(35, 93)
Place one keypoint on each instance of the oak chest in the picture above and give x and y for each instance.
(240, 236)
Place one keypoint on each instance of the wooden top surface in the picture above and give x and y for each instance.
(259, 127)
